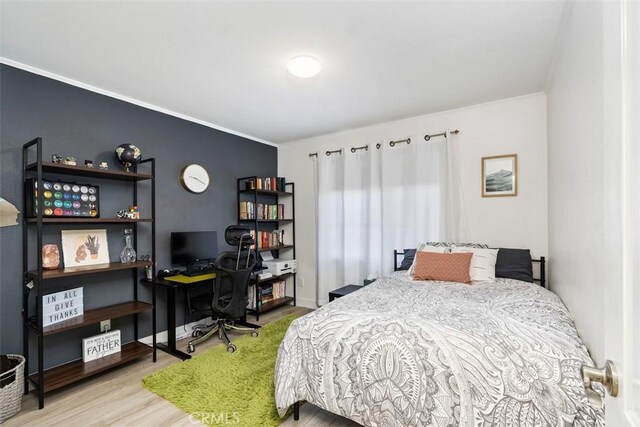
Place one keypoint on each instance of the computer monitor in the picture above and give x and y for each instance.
(194, 249)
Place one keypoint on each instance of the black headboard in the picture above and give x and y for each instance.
(541, 280)
(396, 254)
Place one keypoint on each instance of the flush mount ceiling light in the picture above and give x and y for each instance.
(304, 66)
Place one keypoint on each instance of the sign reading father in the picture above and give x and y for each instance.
(101, 345)
(62, 306)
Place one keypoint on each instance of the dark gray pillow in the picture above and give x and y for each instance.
(409, 255)
(514, 264)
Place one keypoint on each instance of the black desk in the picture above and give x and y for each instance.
(345, 290)
(171, 287)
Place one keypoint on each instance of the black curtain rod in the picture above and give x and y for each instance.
(400, 141)
(364, 147)
(428, 137)
(328, 153)
(391, 143)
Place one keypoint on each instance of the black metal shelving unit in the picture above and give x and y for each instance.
(34, 281)
(286, 251)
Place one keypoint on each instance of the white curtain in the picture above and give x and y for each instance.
(373, 201)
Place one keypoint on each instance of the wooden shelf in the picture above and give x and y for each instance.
(275, 248)
(89, 269)
(273, 304)
(72, 372)
(94, 172)
(262, 195)
(88, 220)
(267, 192)
(96, 315)
(267, 220)
(272, 278)
(126, 184)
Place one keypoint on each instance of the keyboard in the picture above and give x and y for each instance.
(198, 272)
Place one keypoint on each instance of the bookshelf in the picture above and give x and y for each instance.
(279, 196)
(38, 282)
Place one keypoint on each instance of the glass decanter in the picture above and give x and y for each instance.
(128, 254)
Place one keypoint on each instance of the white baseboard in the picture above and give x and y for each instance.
(305, 302)
(180, 333)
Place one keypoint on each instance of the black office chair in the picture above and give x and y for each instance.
(228, 303)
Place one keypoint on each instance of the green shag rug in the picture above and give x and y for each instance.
(221, 388)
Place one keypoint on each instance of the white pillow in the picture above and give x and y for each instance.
(483, 263)
(423, 247)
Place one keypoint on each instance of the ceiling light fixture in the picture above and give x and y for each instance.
(304, 66)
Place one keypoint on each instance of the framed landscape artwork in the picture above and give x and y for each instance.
(84, 247)
(500, 176)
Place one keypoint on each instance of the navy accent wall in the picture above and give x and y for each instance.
(86, 125)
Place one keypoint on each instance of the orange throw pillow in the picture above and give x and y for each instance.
(448, 267)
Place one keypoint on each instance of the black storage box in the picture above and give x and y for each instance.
(63, 199)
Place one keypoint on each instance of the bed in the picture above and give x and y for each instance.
(422, 353)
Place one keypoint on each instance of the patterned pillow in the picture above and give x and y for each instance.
(445, 267)
(469, 245)
(459, 245)
(428, 247)
(438, 244)
(483, 263)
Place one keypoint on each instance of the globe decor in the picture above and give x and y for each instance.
(129, 155)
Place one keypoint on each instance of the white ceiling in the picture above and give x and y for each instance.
(225, 62)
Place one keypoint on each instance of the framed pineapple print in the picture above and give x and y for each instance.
(84, 247)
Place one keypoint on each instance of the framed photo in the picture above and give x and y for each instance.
(84, 247)
(500, 176)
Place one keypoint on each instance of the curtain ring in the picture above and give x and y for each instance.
(408, 141)
(353, 149)
(392, 143)
(328, 153)
(427, 137)
(378, 145)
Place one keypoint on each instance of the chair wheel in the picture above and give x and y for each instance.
(231, 348)
(254, 333)
(191, 348)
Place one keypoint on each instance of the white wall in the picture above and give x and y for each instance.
(516, 125)
(576, 171)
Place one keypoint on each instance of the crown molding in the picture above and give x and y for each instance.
(72, 82)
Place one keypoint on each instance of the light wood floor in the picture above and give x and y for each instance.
(117, 397)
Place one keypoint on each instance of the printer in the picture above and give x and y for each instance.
(278, 267)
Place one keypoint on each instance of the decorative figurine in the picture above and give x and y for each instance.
(56, 158)
(131, 213)
(129, 155)
(70, 161)
(88, 163)
(148, 269)
(50, 257)
(104, 166)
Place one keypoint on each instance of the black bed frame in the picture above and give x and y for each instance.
(542, 280)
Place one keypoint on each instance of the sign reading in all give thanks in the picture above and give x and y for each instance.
(61, 306)
(101, 345)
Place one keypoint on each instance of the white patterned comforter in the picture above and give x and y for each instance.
(409, 353)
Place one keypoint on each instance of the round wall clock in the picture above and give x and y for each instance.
(194, 178)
